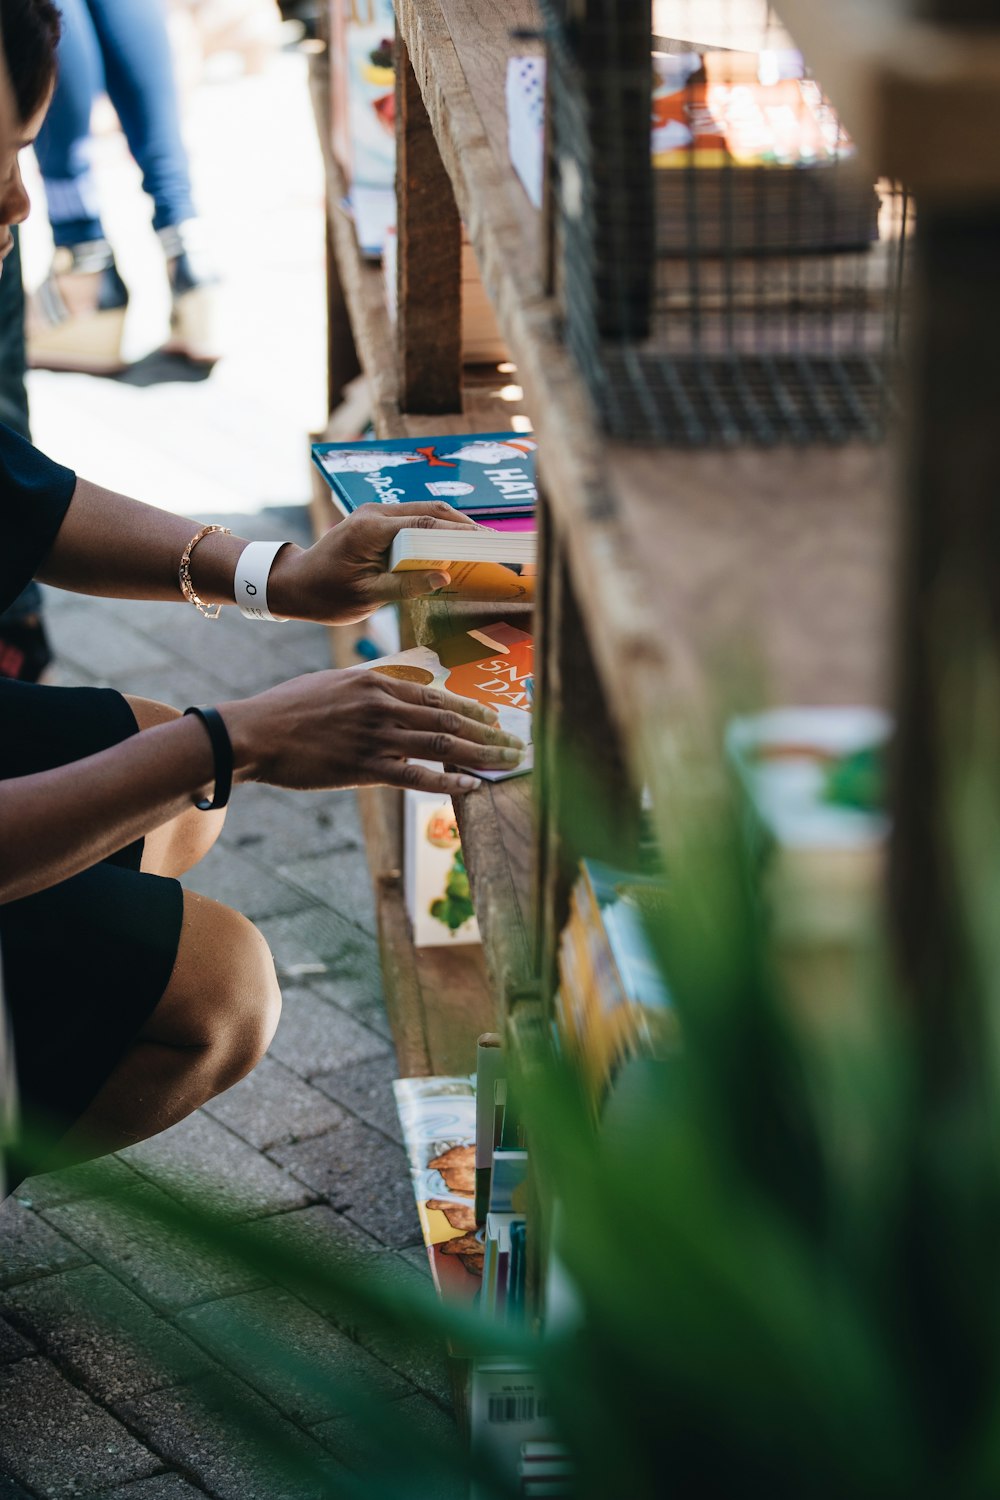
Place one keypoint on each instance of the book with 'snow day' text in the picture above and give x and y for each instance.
(482, 564)
(492, 665)
(486, 475)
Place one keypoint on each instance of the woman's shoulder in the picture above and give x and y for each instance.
(25, 466)
(35, 493)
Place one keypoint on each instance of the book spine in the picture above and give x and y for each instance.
(489, 1072)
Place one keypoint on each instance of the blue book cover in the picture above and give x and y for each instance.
(490, 474)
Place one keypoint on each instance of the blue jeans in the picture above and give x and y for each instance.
(121, 47)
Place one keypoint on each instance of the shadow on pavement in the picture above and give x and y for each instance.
(161, 368)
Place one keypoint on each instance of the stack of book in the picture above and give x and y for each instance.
(501, 1184)
(469, 1166)
(511, 1433)
(613, 1002)
(489, 477)
(545, 1469)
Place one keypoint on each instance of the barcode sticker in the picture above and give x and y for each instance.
(512, 1409)
(516, 1409)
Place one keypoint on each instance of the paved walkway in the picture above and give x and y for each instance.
(309, 1143)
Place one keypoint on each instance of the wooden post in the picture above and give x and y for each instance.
(342, 363)
(429, 317)
(950, 600)
(585, 804)
(612, 47)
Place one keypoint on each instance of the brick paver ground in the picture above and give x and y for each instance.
(306, 1150)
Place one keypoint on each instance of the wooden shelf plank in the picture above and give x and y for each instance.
(778, 560)
(498, 842)
(437, 999)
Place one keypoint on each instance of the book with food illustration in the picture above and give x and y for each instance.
(492, 665)
(435, 880)
(813, 782)
(488, 475)
(438, 1116)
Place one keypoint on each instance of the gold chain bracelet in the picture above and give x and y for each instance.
(210, 611)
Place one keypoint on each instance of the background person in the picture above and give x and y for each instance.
(77, 316)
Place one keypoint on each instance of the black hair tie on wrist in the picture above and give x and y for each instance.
(222, 752)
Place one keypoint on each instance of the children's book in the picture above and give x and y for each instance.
(496, 1264)
(486, 475)
(508, 1408)
(490, 1091)
(438, 1116)
(435, 882)
(508, 1182)
(526, 123)
(784, 760)
(482, 564)
(363, 91)
(493, 665)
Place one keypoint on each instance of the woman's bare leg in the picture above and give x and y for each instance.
(178, 845)
(212, 1026)
(217, 1015)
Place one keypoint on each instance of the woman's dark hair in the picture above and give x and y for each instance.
(29, 35)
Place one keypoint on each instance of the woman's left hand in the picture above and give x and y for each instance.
(341, 579)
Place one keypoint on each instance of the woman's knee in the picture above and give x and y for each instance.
(223, 997)
(177, 846)
(149, 713)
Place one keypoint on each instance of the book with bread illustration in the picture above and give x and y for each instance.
(438, 1119)
(482, 564)
(492, 665)
(489, 476)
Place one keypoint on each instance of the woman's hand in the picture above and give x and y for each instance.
(361, 728)
(341, 579)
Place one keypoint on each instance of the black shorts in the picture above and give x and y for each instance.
(85, 962)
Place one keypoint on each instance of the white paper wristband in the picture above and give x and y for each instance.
(250, 583)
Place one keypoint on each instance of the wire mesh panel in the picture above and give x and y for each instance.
(727, 271)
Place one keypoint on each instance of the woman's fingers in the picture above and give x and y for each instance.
(456, 751)
(404, 773)
(437, 698)
(436, 510)
(414, 718)
(388, 588)
(380, 524)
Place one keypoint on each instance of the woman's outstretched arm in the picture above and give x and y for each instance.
(329, 729)
(120, 548)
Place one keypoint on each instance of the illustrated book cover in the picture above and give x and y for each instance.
(485, 475)
(438, 1117)
(435, 882)
(493, 665)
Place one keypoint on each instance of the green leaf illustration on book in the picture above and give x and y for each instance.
(858, 780)
(455, 907)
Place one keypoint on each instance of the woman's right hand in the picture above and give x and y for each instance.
(362, 728)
